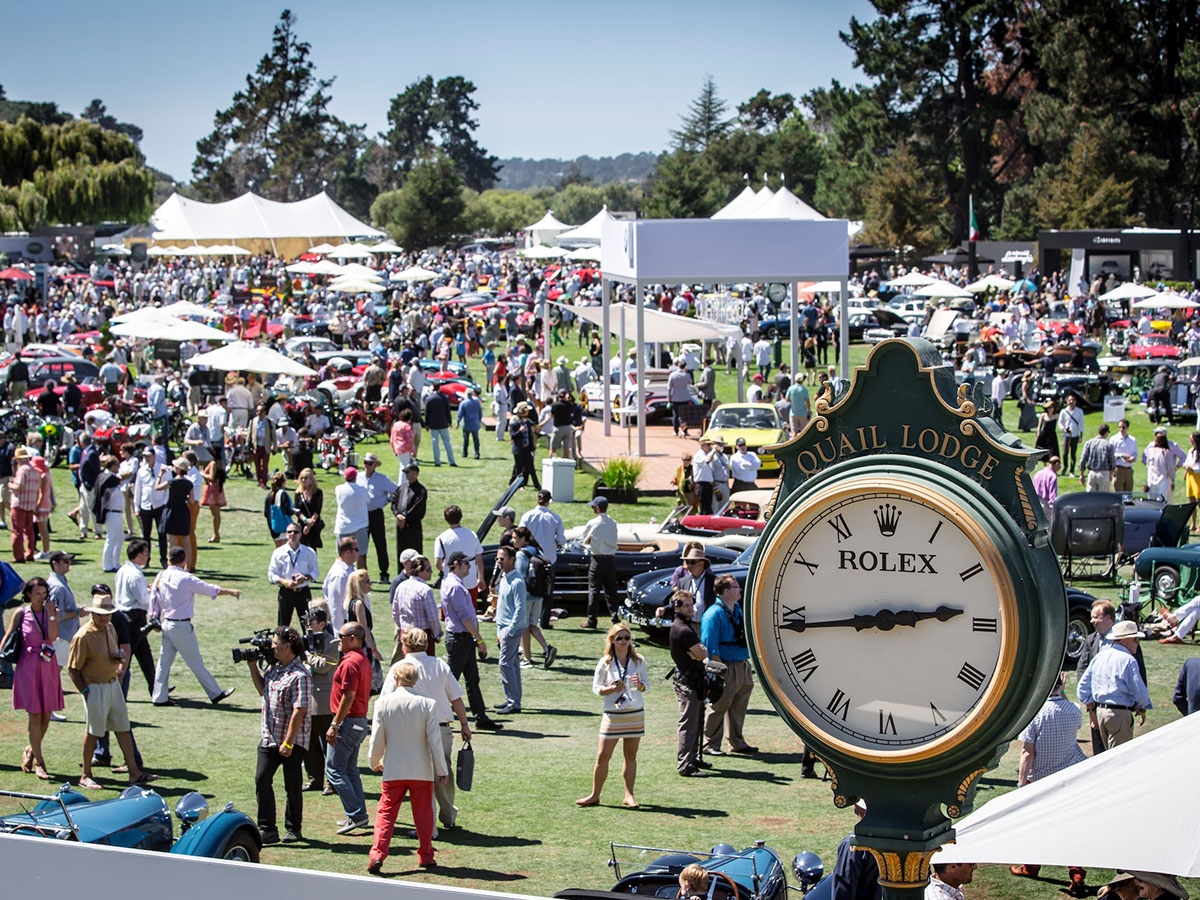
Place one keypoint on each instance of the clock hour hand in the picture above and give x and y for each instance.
(884, 620)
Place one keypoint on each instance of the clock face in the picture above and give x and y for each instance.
(884, 618)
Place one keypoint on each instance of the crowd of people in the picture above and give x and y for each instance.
(316, 694)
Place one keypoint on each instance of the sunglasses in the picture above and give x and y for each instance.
(622, 637)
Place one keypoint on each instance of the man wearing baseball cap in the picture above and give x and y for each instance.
(600, 534)
(1112, 688)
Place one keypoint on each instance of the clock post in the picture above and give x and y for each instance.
(905, 611)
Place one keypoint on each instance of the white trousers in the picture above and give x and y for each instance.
(86, 519)
(1187, 616)
(114, 539)
(180, 638)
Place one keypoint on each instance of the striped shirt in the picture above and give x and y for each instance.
(286, 688)
(26, 485)
(413, 607)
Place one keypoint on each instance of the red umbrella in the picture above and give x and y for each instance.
(11, 274)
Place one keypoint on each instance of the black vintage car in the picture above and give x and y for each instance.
(660, 550)
(651, 590)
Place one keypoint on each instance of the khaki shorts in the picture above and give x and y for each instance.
(5, 492)
(106, 710)
(534, 607)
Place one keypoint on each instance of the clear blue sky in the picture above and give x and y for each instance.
(555, 79)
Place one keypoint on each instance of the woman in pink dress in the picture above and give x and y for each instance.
(37, 684)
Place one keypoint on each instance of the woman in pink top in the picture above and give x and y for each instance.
(402, 438)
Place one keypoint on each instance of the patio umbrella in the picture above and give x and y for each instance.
(943, 289)
(1165, 300)
(1129, 291)
(414, 273)
(244, 356)
(185, 309)
(115, 250)
(356, 286)
(541, 252)
(988, 282)
(350, 251)
(1023, 286)
(912, 279)
(386, 247)
(445, 292)
(584, 253)
(322, 249)
(13, 274)
(304, 268)
(358, 270)
(160, 327)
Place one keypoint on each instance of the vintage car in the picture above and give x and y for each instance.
(635, 555)
(1088, 388)
(1155, 346)
(137, 819)
(457, 369)
(1173, 573)
(743, 514)
(650, 591)
(625, 396)
(758, 423)
(756, 873)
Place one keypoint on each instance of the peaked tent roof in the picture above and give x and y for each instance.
(784, 205)
(748, 210)
(547, 223)
(251, 216)
(589, 231)
(731, 209)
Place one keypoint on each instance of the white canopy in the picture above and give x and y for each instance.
(588, 232)
(751, 206)
(358, 270)
(1129, 291)
(303, 268)
(544, 230)
(912, 279)
(251, 216)
(942, 289)
(661, 327)
(322, 249)
(160, 327)
(245, 356)
(541, 252)
(731, 209)
(352, 285)
(1165, 300)
(386, 247)
(584, 254)
(988, 282)
(1067, 818)
(350, 251)
(822, 287)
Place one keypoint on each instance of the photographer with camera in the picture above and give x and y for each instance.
(324, 652)
(724, 634)
(293, 567)
(286, 688)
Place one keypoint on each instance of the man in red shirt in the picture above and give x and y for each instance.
(348, 701)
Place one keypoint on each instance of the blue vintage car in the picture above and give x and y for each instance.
(756, 873)
(1173, 572)
(137, 819)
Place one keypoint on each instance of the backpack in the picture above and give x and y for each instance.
(537, 580)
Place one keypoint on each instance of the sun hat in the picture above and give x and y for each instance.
(1125, 629)
(1168, 883)
(101, 604)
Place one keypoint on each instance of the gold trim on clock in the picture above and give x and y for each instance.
(765, 625)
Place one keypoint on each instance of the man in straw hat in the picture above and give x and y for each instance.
(95, 664)
(1112, 688)
(1153, 885)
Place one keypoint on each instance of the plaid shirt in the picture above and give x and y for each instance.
(26, 485)
(284, 689)
(1053, 735)
(413, 607)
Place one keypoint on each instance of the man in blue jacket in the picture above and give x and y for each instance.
(470, 420)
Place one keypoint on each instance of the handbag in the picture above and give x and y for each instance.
(14, 641)
(464, 767)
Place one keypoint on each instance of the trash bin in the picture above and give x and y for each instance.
(558, 477)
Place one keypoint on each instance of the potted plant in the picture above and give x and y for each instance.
(619, 479)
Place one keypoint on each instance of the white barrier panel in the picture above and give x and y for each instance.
(41, 867)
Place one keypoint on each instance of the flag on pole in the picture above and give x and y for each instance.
(973, 227)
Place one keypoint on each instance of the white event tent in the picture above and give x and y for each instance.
(286, 229)
(670, 251)
(1066, 819)
(246, 356)
(544, 230)
(731, 209)
(587, 234)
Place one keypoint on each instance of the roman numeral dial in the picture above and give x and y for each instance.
(880, 617)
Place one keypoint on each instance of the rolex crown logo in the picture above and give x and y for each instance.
(888, 517)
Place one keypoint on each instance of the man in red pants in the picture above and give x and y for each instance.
(406, 746)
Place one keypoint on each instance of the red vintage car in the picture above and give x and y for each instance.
(1155, 346)
(742, 514)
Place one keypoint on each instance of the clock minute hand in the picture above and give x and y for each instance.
(884, 620)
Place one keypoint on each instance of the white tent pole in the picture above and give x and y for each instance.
(606, 353)
(641, 371)
(795, 326)
(844, 323)
(546, 327)
(621, 367)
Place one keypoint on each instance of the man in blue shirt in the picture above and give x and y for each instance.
(470, 420)
(724, 636)
(1112, 688)
(511, 620)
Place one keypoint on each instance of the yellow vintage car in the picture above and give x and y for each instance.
(758, 423)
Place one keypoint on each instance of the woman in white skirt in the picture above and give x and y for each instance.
(621, 680)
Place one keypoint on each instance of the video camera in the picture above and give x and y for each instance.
(150, 626)
(260, 648)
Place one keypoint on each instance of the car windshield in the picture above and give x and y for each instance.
(743, 558)
(745, 418)
(1157, 339)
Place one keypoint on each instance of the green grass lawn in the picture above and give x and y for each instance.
(519, 829)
